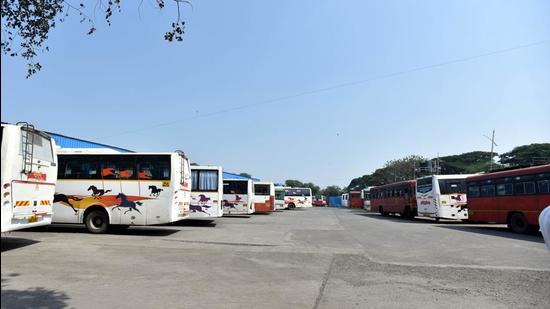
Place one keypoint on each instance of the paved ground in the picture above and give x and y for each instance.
(310, 258)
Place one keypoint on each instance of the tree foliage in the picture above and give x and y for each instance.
(332, 191)
(26, 24)
(467, 163)
(393, 170)
(526, 155)
(315, 189)
(247, 175)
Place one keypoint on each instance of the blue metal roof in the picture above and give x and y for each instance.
(227, 175)
(71, 142)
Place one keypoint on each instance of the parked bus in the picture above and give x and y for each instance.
(298, 197)
(395, 198)
(345, 200)
(29, 173)
(442, 196)
(264, 196)
(206, 192)
(238, 197)
(122, 189)
(355, 199)
(515, 197)
(280, 198)
(365, 193)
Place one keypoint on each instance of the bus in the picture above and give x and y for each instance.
(394, 198)
(280, 198)
(29, 174)
(319, 200)
(238, 197)
(515, 197)
(206, 192)
(442, 197)
(264, 196)
(355, 199)
(365, 193)
(121, 189)
(345, 200)
(298, 197)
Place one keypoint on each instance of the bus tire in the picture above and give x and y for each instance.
(382, 212)
(97, 221)
(518, 223)
(291, 206)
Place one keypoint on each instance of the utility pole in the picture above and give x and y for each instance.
(493, 144)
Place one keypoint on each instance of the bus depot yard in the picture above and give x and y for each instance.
(301, 258)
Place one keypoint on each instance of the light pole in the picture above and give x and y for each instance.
(493, 144)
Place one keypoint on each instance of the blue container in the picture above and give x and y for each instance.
(335, 201)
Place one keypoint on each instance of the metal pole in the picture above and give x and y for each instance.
(492, 146)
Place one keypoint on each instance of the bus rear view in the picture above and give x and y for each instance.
(28, 178)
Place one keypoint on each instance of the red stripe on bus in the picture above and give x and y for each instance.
(35, 182)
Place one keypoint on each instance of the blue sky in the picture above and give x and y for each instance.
(127, 78)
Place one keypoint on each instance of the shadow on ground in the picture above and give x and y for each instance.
(114, 230)
(10, 243)
(36, 297)
(195, 223)
(499, 231)
(417, 220)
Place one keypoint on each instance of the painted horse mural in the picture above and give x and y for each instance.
(97, 193)
(199, 208)
(226, 203)
(125, 203)
(62, 198)
(155, 191)
(203, 198)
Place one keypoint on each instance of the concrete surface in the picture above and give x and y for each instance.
(306, 258)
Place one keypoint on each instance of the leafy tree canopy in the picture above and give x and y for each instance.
(332, 191)
(247, 175)
(532, 154)
(26, 24)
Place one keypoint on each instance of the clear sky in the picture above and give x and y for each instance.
(126, 78)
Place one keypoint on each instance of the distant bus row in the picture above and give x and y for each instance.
(42, 184)
(515, 197)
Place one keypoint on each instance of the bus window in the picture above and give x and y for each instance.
(262, 189)
(123, 168)
(505, 189)
(452, 186)
(154, 167)
(519, 188)
(424, 185)
(42, 146)
(488, 190)
(83, 167)
(544, 186)
(473, 191)
(279, 195)
(204, 180)
(235, 187)
(529, 187)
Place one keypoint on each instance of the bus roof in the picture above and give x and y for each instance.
(396, 184)
(227, 175)
(64, 141)
(514, 172)
(449, 176)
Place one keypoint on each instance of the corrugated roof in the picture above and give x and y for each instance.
(227, 175)
(64, 141)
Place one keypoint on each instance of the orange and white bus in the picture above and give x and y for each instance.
(264, 196)
(206, 192)
(101, 190)
(515, 197)
(29, 173)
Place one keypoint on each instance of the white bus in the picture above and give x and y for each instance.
(206, 192)
(365, 195)
(29, 173)
(442, 196)
(264, 197)
(122, 189)
(238, 197)
(298, 197)
(345, 200)
(280, 198)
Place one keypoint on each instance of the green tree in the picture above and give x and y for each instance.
(526, 155)
(393, 170)
(247, 175)
(466, 163)
(26, 24)
(332, 191)
(294, 183)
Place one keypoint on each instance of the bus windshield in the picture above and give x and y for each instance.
(235, 187)
(452, 186)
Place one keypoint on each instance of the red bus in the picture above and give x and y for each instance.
(395, 198)
(515, 197)
(355, 199)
